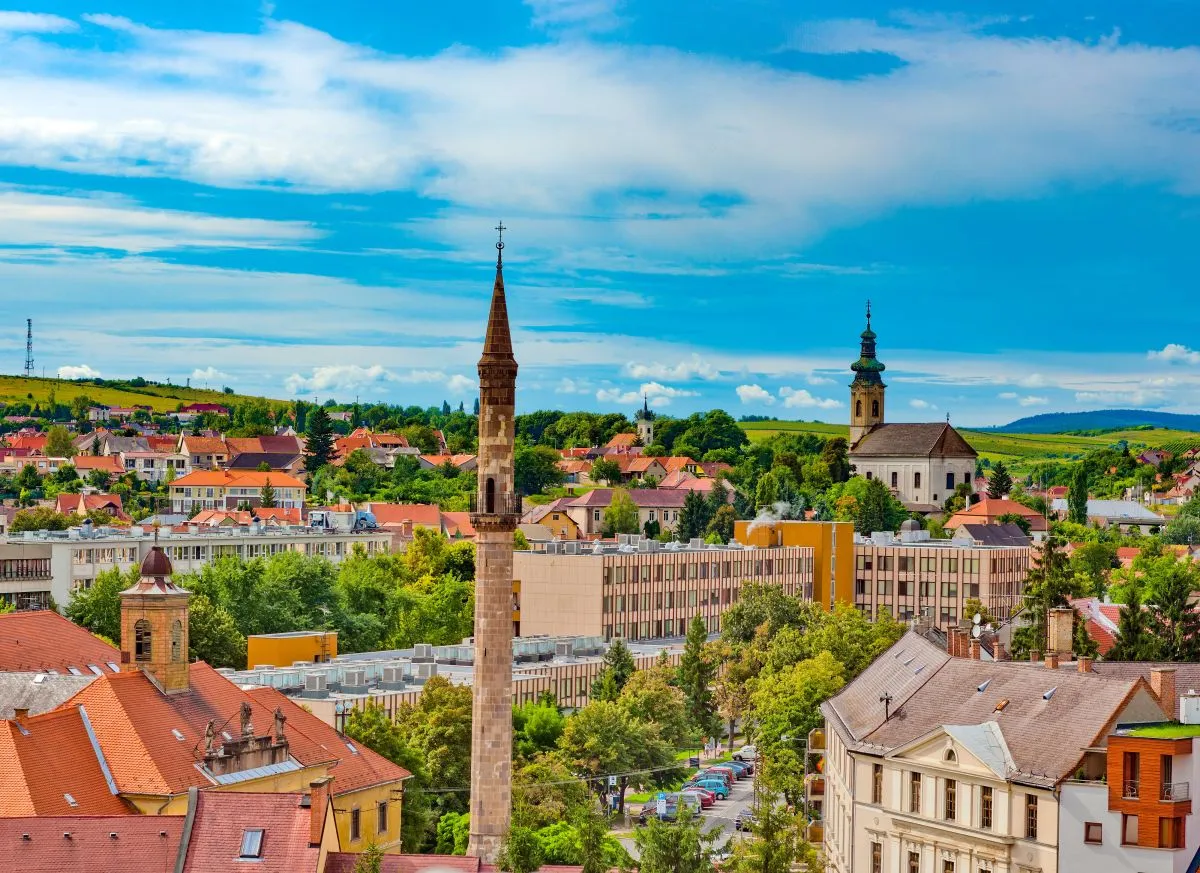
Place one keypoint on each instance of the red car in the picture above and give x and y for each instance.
(706, 798)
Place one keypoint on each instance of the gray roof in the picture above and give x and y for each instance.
(38, 692)
(993, 534)
(1113, 509)
(115, 444)
(938, 439)
(929, 689)
(986, 742)
(251, 460)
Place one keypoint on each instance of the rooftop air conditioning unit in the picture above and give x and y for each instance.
(695, 543)
(622, 539)
(315, 686)
(424, 673)
(563, 650)
(354, 681)
(572, 548)
(422, 652)
(393, 678)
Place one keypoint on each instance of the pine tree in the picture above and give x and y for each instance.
(1135, 637)
(319, 448)
(1000, 482)
(476, 409)
(616, 668)
(1049, 584)
(1082, 644)
(266, 497)
(445, 407)
(696, 674)
(1077, 497)
(693, 518)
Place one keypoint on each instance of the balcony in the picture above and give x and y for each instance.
(1130, 789)
(816, 786)
(815, 832)
(499, 504)
(1175, 792)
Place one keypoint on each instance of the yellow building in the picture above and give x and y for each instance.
(285, 649)
(832, 543)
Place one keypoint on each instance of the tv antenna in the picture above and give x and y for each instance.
(28, 347)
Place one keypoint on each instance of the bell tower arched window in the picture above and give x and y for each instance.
(177, 640)
(142, 650)
(858, 408)
(874, 409)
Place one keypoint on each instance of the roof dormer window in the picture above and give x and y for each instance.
(252, 840)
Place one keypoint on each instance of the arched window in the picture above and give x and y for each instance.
(490, 495)
(177, 640)
(141, 640)
(950, 757)
(875, 409)
(858, 407)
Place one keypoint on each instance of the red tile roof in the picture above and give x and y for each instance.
(622, 440)
(46, 762)
(456, 460)
(458, 524)
(147, 843)
(222, 818)
(423, 514)
(236, 479)
(84, 464)
(989, 509)
(198, 445)
(68, 504)
(42, 641)
(643, 497)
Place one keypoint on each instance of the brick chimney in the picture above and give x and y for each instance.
(318, 794)
(1052, 660)
(999, 653)
(1035, 656)
(1061, 627)
(1162, 683)
(974, 648)
(1084, 665)
(20, 713)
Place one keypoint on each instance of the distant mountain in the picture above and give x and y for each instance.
(1100, 419)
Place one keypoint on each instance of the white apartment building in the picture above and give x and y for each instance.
(936, 764)
(75, 559)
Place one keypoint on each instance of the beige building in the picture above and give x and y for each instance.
(642, 589)
(935, 764)
(25, 576)
(909, 575)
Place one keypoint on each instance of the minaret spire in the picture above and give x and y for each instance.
(497, 343)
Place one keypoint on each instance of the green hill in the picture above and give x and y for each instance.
(1102, 419)
(106, 392)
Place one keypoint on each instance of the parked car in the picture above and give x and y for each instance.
(746, 753)
(719, 789)
(744, 821)
(690, 801)
(650, 810)
(704, 792)
(725, 768)
(719, 777)
(742, 768)
(706, 798)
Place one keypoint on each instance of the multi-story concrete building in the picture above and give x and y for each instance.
(229, 489)
(25, 575)
(77, 556)
(911, 575)
(934, 764)
(642, 589)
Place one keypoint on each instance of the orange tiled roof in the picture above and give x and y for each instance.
(42, 641)
(34, 442)
(424, 514)
(992, 508)
(622, 440)
(677, 463)
(221, 818)
(69, 504)
(84, 464)
(236, 479)
(198, 445)
(46, 757)
(456, 460)
(458, 524)
(148, 843)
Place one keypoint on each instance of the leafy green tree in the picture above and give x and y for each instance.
(318, 450)
(99, 479)
(973, 607)
(79, 407)
(1136, 640)
(266, 495)
(1000, 482)
(835, 456)
(1015, 518)
(617, 665)
(599, 852)
(438, 728)
(759, 603)
(621, 514)
(520, 851)
(536, 469)
(1082, 644)
(776, 843)
(606, 470)
(369, 860)
(1048, 585)
(721, 525)
(453, 833)
(697, 671)
(1077, 497)
(537, 725)
(546, 791)
(40, 518)
(682, 846)
(649, 696)
(98, 608)
(28, 478)
(1094, 562)
(213, 636)
(693, 518)
(58, 443)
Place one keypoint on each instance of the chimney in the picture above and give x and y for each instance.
(999, 653)
(1052, 660)
(1162, 683)
(1084, 665)
(1061, 629)
(974, 649)
(1035, 656)
(318, 794)
(20, 713)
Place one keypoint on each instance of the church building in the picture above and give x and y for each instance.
(922, 464)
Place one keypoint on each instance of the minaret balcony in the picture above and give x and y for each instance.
(496, 510)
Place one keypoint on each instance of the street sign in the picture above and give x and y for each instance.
(612, 781)
(661, 805)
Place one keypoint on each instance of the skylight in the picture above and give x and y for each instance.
(112, 666)
(95, 669)
(175, 732)
(74, 671)
(252, 839)
(353, 750)
(71, 801)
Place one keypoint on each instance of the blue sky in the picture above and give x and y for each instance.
(297, 199)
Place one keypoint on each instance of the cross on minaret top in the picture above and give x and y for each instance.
(500, 228)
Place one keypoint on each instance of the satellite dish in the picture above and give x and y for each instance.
(978, 619)
(976, 631)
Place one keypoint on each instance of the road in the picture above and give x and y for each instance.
(718, 817)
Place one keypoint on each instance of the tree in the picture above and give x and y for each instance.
(973, 607)
(1048, 585)
(40, 518)
(536, 469)
(696, 673)
(621, 514)
(58, 443)
(438, 728)
(650, 697)
(1082, 644)
(759, 603)
(722, 523)
(213, 636)
(1169, 585)
(777, 841)
(693, 518)
(617, 665)
(836, 458)
(1077, 497)
(266, 496)
(873, 508)
(372, 727)
(1016, 518)
(99, 479)
(537, 725)
(79, 407)
(606, 470)
(369, 860)
(318, 449)
(1135, 638)
(681, 846)
(1000, 482)
(98, 608)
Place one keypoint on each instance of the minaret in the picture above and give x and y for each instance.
(496, 511)
(154, 624)
(866, 391)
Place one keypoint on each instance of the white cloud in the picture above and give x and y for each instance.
(34, 22)
(344, 378)
(1033, 380)
(1033, 400)
(1174, 353)
(656, 393)
(1135, 397)
(814, 379)
(459, 384)
(83, 371)
(209, 374)
(590, 15)
(691, 368)
(800, 398)
(918, 403)
(573, 386)
(1007, 395)
(754, 394)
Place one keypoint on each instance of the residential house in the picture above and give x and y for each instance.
(654, 504)
(110, 464)
(624, 442)
(638, 468)
(278, 462)
(990, 510)
(155, 467)
(1153, 457)
(555, 519)
(576, 471)
(204, 452)
(363, 438)
(464, 463)
(458, 525)
(269, 444)
(227, 489)
(82, 504)
(1122, 514)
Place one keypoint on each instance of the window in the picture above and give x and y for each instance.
(858, 408)
(252, 839)
(141, 640)
(1129, 830)
(951, 800)
(870, 475)
(1131, 768)
(177, 640)
(1031, 816)
(985, 808)
(1170, 833)
(914, 862)
(950, 757)
(949, 481)
(947, 866)
(916, 480)
(355, 823)
(875, 409)
(876, 857)
(914, 792)
(381, 817)
(1093, 832)
(877, 784)
(895, 479)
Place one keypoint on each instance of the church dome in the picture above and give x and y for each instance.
(156, 563)
(909, 525)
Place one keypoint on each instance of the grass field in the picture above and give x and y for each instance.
(163, 398)
(1015, 449)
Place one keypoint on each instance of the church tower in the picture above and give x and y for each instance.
(867, 389)
(495, 513)
(154, 624)
(645, 423)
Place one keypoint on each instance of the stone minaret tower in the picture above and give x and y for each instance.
(154, 624)
(497, 510)
(866, 391)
